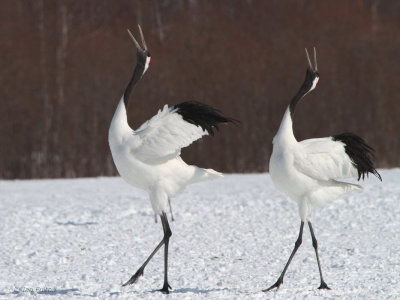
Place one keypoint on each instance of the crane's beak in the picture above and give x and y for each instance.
(135, 41)
(315, 69)
(142, 37)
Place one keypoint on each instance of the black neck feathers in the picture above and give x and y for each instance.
(300, 94)
(137, 74)
(304, 89)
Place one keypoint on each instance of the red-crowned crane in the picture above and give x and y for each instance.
(307, 171)
(149, 157)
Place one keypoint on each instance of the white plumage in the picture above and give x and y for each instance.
(309, 171)
(324, 159)
(149, 158)
(163, 136)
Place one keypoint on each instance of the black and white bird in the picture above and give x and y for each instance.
(149, 157)
(308, 171)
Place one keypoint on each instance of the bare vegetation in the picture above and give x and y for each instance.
(65, 65)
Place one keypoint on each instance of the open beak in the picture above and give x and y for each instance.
(315, 69)
(136, 43)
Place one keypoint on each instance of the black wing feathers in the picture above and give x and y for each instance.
(359, 152)
(201, 115)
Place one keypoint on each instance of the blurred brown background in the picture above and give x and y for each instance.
(65, 65)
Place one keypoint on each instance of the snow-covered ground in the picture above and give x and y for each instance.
(231, 238)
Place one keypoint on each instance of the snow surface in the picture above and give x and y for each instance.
(231, 238)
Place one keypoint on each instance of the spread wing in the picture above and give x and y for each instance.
(324, 159)
(173, 128)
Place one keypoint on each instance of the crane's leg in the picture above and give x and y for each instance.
(315, 245)
(170, 209)
(165, 240)
(296, 246)
(167, 235)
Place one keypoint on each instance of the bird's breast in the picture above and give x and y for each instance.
(131, 170)
(171, 176)
(286, 177)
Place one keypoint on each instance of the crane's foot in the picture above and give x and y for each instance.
(323, 286)
(135, 277)
(165, 288)
(276, 285)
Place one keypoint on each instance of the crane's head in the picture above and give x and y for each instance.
(142, 54)
(312, 75)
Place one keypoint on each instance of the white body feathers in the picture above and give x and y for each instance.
(307, 171)
(149, 158)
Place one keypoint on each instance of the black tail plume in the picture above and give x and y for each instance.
(202, 115)
(359, 152)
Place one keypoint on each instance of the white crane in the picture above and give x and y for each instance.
(149, 157)
(307, 171)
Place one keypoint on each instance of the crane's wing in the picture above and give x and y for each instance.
(172, 128)
(324, 159)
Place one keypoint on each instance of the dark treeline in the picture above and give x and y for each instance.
(65, 65)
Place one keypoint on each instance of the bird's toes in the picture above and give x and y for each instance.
(165, 288)
(134, 278)
(276, 285)
(324, 286)
(164, 291)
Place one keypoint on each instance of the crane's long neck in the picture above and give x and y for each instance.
(300, 94)
(137, 74)
(285, 133)
(119, 123)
